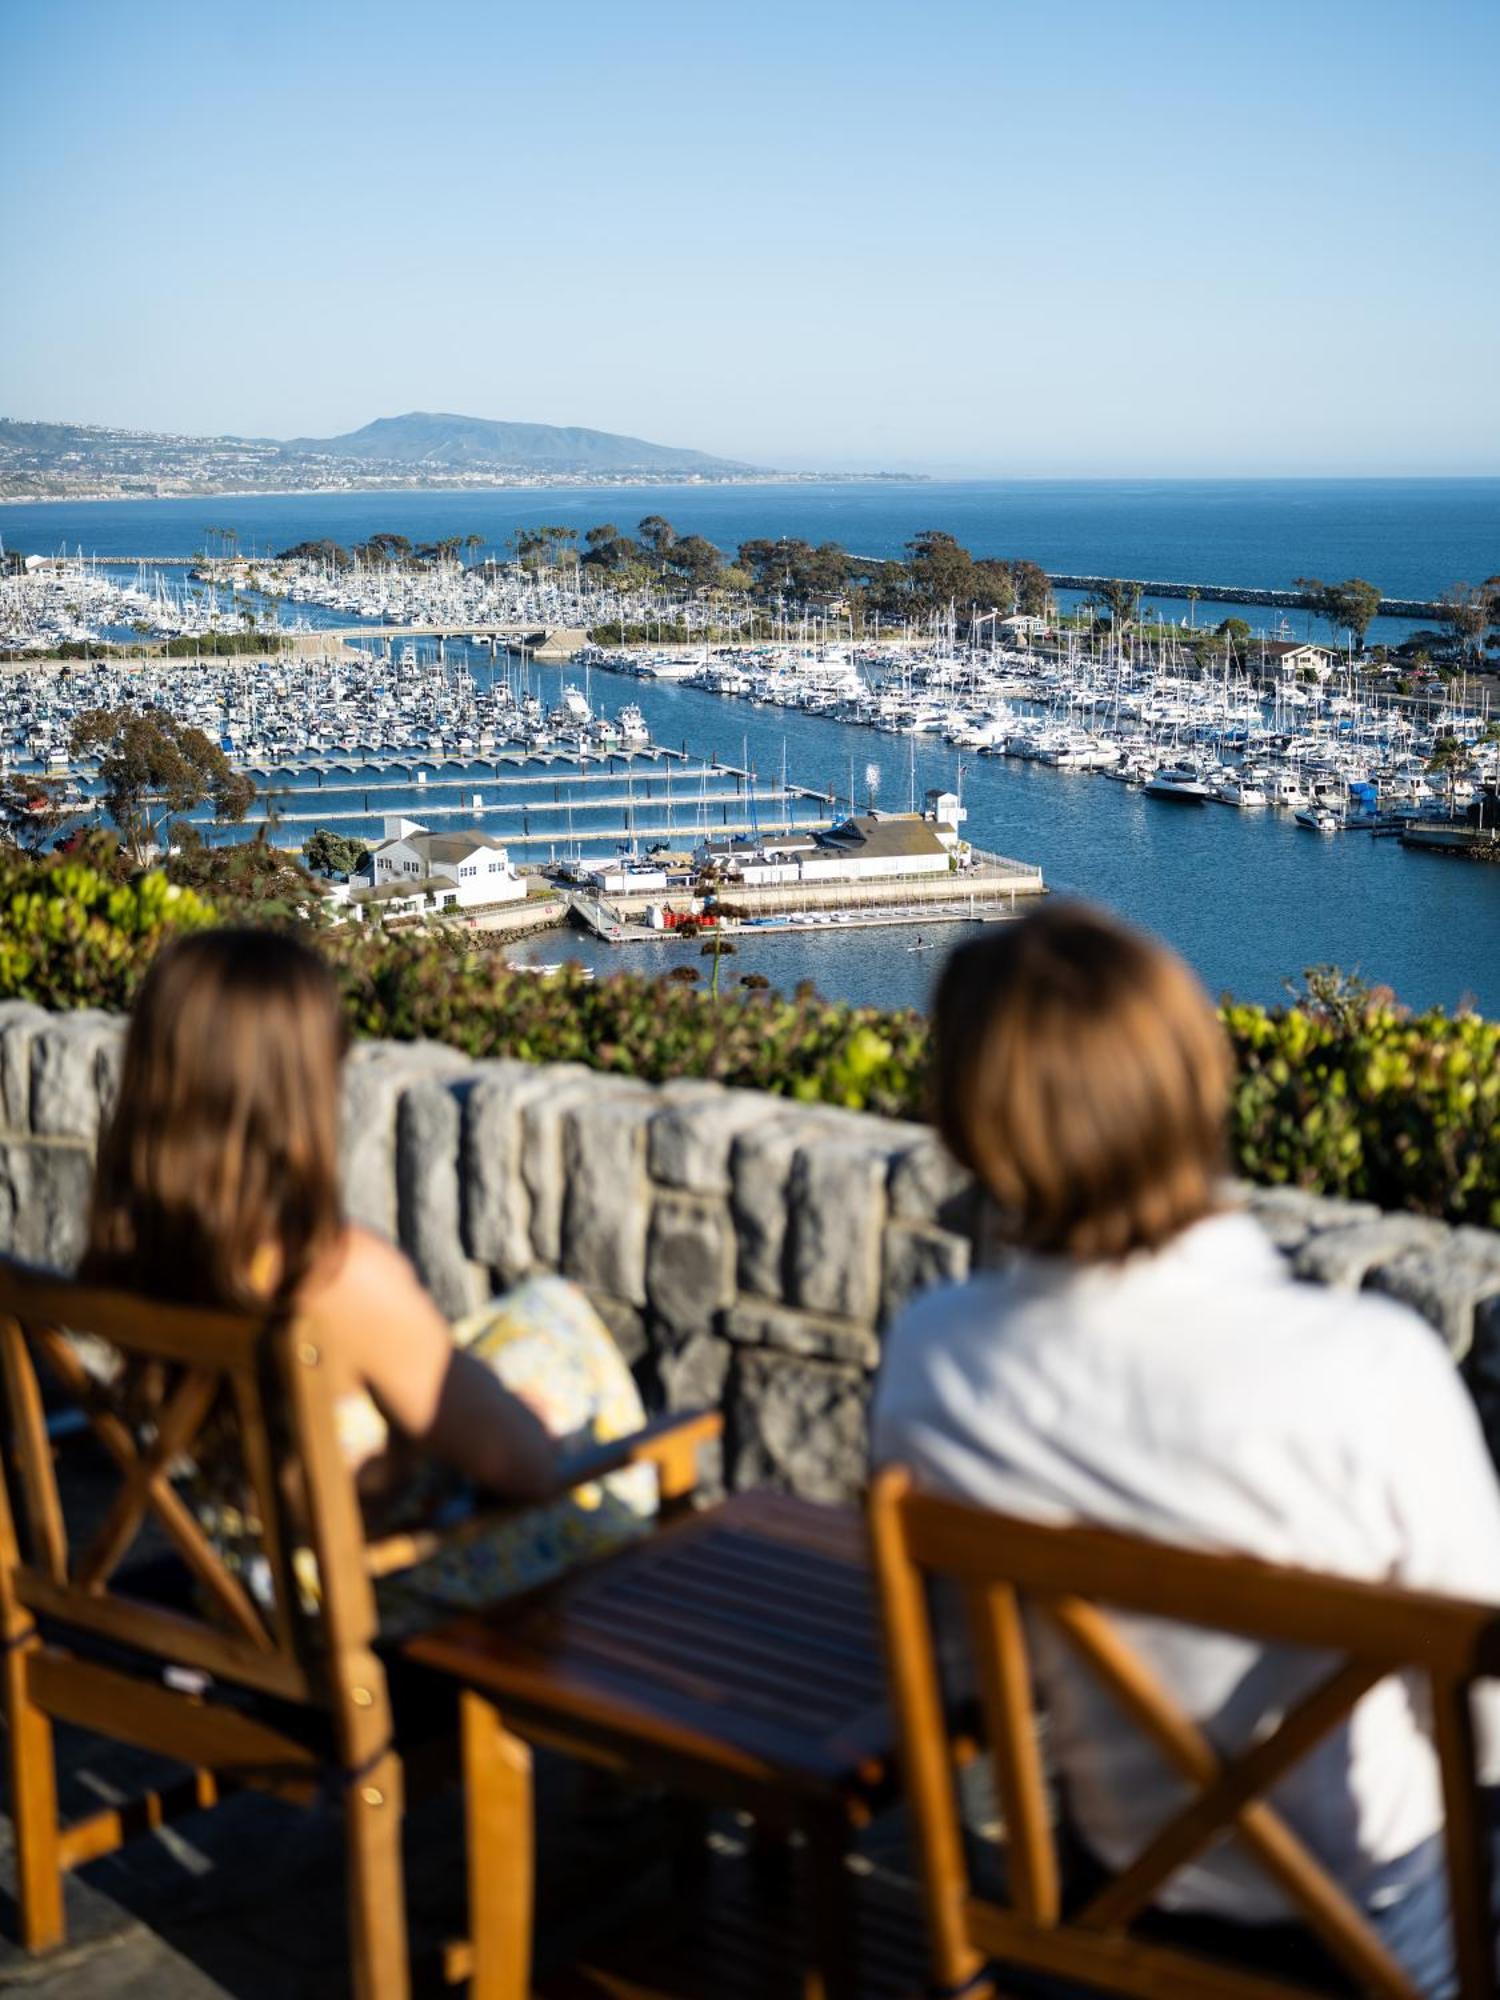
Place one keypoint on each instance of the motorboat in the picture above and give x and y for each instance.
(1319, 819)
(1182, 784)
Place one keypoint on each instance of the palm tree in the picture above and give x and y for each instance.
(1448, 757)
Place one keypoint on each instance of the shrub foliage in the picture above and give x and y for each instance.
(1341, 1091)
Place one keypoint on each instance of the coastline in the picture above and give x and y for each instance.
(562, 483)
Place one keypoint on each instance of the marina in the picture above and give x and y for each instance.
(1292, 751)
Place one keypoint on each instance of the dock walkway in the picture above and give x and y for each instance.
(978, 895)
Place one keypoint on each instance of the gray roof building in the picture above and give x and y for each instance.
(869, 837)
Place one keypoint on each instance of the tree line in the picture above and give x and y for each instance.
(934, 572)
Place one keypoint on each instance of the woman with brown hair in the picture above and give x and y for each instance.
(1143, 1360)
(218, 1184)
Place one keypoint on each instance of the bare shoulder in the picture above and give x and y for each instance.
(363, 1274)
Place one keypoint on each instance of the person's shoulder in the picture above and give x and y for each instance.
(936, 1318)
(361, 1270)
(1378, 1346)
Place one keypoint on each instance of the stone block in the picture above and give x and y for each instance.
(690, 1373)
(429, 1122)
(754, 1322)
(692, 1370)
(19, 1022)
(606, 1198)
(1291, 1217)
(626, 1323)
(914, 1260)
(44, 1199)
(928, 1185)
(74, 1065)
(1346, 1257)
(836, 1201)
(689, 1261)
(693, 1136)
(1446, 1283)
(375, 1077)
(760, 1165)
(799, 1426)
(542, 1107)
(497, 1200)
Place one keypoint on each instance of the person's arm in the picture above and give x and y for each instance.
(1444, 1496)
(1441, 1482)
(394, 1339)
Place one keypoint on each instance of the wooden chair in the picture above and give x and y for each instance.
(1061, 1575)
(81, 1648)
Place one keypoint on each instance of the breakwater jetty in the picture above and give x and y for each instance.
(1239, 593)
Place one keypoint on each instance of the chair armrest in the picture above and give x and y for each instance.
(669, 1443)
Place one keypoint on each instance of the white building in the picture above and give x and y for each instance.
(463, 870)
(1295, 660)
(619, 878)
(872, 846)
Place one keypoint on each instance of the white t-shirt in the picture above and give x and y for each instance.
(1200, 1395)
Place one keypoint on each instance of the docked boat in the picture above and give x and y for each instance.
(1288, 790)
(1242, 792)
(1182, 784)
(1319, 819)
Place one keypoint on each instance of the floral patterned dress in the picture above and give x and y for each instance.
(546, 1344)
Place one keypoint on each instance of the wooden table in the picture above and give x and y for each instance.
(734, 1657)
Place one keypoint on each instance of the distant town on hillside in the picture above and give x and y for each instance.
(59, 461)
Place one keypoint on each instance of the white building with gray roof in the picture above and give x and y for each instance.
(463, 870)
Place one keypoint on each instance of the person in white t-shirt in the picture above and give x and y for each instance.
(1146, 1362)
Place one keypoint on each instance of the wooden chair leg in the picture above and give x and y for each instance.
(834, 1973)
(377, 1885)
(501, 1852)
(33, 1804)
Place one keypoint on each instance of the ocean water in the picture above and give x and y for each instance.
(1411, 537)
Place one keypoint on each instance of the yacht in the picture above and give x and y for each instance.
(1319, 819)
(1183, 784)
(1287, 790)
(1242, 792)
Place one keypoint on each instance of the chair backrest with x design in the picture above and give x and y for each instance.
(1003, 1567)
(251, 1621)
(286, 1609)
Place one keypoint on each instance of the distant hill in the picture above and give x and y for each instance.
(432, 439)
(52, 461)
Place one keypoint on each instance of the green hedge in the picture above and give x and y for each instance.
(1371, 1102)
(1343, 1093)
(70, 936)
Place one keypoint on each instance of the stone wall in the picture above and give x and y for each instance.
(745, 1250)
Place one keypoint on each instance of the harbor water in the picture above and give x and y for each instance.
(1250, 899)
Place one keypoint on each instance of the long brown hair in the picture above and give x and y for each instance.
(217, 1181)
(1082, 1075)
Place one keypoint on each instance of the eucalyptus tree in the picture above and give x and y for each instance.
(155, 769)
(1468, 611)
(1350, 606)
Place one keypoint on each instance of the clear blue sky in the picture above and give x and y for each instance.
(1069, 236)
